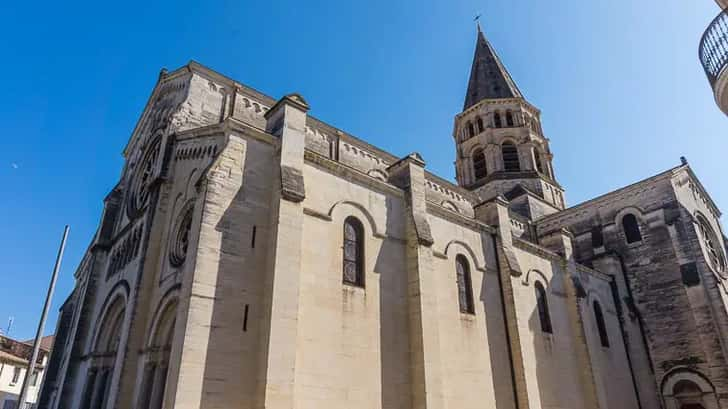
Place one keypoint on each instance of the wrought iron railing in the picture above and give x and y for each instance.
(714, 47)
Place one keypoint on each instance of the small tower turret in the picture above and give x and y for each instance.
(501, 149)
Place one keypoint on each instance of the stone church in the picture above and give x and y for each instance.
(252, 256)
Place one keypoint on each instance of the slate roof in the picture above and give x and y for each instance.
(489, 78)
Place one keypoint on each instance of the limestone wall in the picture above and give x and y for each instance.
(673, 324)
(352, 345)
(552, 372)
(262, 318)
(610, 364)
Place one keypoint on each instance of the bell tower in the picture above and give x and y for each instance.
(501, 149)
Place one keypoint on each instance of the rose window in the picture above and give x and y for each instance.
(715, 254)
(142, 179)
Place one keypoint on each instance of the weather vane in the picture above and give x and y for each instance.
(477, 20)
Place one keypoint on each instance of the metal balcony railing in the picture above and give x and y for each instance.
(714, 47)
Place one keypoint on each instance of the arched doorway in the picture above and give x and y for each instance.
(104, 356)
(154, 378)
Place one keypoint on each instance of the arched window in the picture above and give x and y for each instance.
(497, 120)
(479, 165)
(465, 285)
(543, 308)
(480, 125)
(471, 130)
(510, 157)
(537, 158)
(631, 228)
(509, 118)
(601, 326)
(687, 391)
(353, 252)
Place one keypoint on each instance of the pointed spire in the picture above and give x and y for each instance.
(489, 78)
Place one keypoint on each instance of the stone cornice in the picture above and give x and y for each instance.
(590, 271)
(504, 175)
(195, 67)
(229, 125)
(548, 254)
(465, 194)
(457, 218)
(536, 249)
(700, 187)
(346, 172)
(499, 101)
(350, 139)
(557, 218)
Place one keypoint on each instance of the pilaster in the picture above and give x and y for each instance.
(495, 212)
(425, 359)
(202, 296)
(633, 332)
(561, 242)
(286, 120)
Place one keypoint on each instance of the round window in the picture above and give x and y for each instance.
(141, 181)
(712, 246)
(180, 238)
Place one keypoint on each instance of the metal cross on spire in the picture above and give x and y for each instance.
(477, 20)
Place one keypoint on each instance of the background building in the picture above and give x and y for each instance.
(714, 55)
(253, 256)
(14, 359)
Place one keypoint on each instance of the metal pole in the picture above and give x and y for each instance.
(44, 315)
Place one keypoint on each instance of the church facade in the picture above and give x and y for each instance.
(253, 256)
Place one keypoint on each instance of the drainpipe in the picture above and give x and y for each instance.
(505, 322)
(640, 321)
(620, 314)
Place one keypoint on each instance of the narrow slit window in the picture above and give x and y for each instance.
(597, 237)
(497, 120)
(543, 308)
(601, 326)
(252, 239)
(245, 318)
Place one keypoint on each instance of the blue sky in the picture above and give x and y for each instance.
(622, 93)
